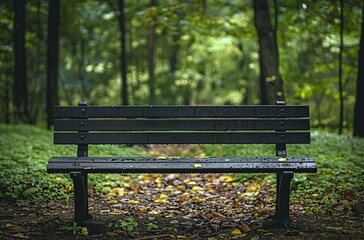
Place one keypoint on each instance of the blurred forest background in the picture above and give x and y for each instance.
(198, 52)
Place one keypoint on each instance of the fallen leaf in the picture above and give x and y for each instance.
(163, 196)
(217, 214)
(160, 200)
(245, 227)
(236, 232)
(196, 188)
(20, 235)
(154, 212)
(119, 191)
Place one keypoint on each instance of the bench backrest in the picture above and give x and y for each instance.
(259, 124)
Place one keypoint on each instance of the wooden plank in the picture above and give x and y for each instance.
(232, 111)
(180, 125)
(182, 138)
(181, 165)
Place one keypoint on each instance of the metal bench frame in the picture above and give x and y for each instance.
(261, 124)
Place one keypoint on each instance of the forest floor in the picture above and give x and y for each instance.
(180, 206)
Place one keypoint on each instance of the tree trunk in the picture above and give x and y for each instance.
(151, 53)
(341, 115)
(359, 102)
(20, 87)
(7, 91)
(123, 62)
(52, 59)
(271, 83)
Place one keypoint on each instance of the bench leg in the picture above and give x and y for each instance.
(281, 217)
(80, 186)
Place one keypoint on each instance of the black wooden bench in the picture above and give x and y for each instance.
(261, 124)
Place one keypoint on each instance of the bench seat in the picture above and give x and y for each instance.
(182, 165)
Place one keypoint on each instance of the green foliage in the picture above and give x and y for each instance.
(152, 226)
(216, 57)
(128, 225)
(76, 230)
(25, 153)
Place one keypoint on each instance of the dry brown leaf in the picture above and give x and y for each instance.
(217, 214)
(245, 227)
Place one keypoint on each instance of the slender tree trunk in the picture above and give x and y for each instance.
(173, 63)
(52, 59)
(7, 95)
(151, 53)
(271, 82)
(341, 118)
(173, 59)
(359, 102)
(20, 87)
(123, 60)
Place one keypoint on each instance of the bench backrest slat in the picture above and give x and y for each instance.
(264, 111)
(182, 138)
(261, 124)
(180, 125)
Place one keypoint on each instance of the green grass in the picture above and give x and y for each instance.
(25, 151)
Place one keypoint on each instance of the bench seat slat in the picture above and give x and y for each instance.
(182, 138)
(181, 165)
(264, 111)
(182, 125)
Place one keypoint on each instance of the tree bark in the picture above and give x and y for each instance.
(271, 83)
(123, 60)
(151, 53)
(359, 102)
(52, 59)
(20, 87)
(341, 115)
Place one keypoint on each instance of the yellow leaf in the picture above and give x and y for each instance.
(228, 179)
(133, 201)
(196, 188)
(197, 165)
(154, 212)
(160, 200)
(119, 191)
(282, 159)
(163, 195)
(142, 209)
(112, 201)
(252, 188)
(236, 232)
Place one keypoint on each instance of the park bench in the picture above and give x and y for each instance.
(278, 124)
